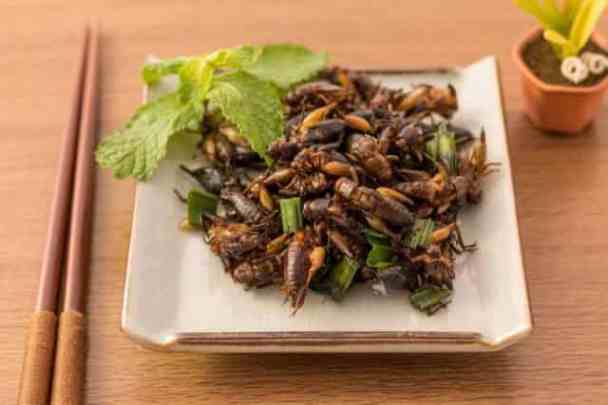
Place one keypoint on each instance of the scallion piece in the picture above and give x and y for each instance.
(291, 214)
(442, 148)
(376, 237)
(430, 299)
(422, 233)
(200, 202)
(381, 254)
(341, 277)
(447, 148)
(432, 148)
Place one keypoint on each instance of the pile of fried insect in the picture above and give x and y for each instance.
(366, 186)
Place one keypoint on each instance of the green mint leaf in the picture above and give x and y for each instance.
(224, 58)
(154, 71)
(252, 105)
(136, 149)
(195, 80)
(287, 64)
(234, 57)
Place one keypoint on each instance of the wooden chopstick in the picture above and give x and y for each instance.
(38, 361)
(68, 378)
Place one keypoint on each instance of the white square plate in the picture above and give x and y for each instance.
(177, 296)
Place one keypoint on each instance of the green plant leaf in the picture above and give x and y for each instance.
(224, 58)
(555, 37)
(552, 10)
(584, 23)
(238, 57)
(570, 9)
(196, 76)
(252, 105)
(561, 45)
(546, 13)
(287, 64)
(135, 149)
(152, 72)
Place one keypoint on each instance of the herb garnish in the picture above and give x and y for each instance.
(244, 83)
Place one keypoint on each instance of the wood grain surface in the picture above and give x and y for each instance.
(561, 188)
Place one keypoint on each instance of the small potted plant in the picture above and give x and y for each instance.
(563, 64)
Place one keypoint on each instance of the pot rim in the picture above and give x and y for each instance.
(554, 88)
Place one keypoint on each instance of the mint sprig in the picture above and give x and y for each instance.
(244, 83)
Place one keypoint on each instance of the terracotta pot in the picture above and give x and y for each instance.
(559, 108)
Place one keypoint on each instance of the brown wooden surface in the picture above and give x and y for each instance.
(561, 186)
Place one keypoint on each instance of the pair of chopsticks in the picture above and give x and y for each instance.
(54, 363)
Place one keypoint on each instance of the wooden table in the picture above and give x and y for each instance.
(561, 192)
